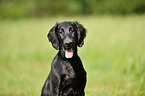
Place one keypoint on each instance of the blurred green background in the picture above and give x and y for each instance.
(113, 54)
(44, 8)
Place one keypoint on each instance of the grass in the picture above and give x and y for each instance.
(113, 55)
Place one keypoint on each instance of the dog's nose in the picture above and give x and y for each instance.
(68, 43)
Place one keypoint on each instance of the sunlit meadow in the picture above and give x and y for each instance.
(113, 55)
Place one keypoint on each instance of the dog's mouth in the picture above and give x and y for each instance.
(69, 52)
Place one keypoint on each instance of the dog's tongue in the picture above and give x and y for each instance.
(69, 53)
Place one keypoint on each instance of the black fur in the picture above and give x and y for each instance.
(67, 76)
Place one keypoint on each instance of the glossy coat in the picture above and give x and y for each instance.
(67, 76)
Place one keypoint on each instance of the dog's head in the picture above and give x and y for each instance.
(66, 36)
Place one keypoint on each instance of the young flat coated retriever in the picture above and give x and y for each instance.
(67, 76)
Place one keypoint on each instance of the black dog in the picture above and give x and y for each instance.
(67, 76)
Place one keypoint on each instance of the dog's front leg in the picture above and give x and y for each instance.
(56, 85)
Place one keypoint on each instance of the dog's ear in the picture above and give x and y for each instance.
(52, 36)
(81, 34)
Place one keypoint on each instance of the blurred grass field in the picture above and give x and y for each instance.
(113, 55)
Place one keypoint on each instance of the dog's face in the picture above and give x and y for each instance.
(66, 36)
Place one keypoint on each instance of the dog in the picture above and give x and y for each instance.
(67, 76)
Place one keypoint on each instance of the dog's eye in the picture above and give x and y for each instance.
(71, 30)
(61, 31)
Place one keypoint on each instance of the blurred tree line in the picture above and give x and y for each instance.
(41, 8)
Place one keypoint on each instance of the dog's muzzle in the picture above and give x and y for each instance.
(69, 50)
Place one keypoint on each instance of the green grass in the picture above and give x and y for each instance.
(113, 55)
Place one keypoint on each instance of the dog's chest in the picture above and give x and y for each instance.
(68, 70)
(69, 74)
